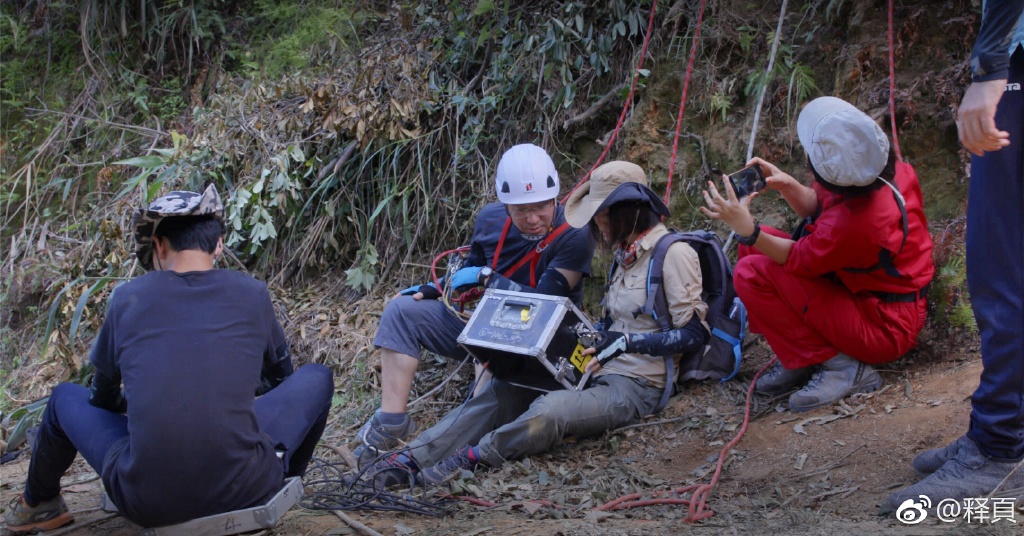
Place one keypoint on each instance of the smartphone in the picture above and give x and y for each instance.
(747, 181)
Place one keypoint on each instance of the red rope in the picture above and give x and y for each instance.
(433, 264)
(698, 502)
(698, 508)
(682, 102)
(892, 88)
(625, 108)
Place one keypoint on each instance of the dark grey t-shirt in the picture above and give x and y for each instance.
(189, 349)
(572, 250)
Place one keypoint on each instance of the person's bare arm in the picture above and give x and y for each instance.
(736, 214)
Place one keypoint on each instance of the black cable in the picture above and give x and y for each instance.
(335, 488)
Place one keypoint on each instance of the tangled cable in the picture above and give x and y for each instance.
(332, 487)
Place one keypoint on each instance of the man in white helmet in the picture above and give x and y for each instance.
(520, 243)
(172, 422)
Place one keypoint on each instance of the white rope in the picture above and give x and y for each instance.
(764, 88)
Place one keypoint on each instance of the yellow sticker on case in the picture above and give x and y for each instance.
(579, 360)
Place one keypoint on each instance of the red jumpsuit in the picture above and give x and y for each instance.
(817, 305)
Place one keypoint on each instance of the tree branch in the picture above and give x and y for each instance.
(594, 108)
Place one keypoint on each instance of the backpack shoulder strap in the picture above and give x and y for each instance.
(656, 304)
(885, 257)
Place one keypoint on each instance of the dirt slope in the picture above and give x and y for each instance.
(823, 472)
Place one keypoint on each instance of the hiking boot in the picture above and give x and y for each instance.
(377, 438)
(384, 437)
(47, 515)
(779, 380)
(837, 378)
(392, 471)
(930, 460)
(448, 468)
(970, 473)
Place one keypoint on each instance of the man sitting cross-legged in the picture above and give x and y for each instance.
(187, 437)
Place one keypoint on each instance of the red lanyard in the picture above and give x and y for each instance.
(532, 256)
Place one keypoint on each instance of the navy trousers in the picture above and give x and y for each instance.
(292, 414)
(995, 278)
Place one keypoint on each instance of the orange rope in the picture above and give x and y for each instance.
(682, 101)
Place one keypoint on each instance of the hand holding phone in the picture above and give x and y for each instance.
(747, 181)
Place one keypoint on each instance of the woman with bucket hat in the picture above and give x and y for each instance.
(848, 290)
(507, 422)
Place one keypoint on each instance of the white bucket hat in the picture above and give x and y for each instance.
(846, 147)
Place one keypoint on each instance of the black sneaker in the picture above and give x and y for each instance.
(448, 468)
(391, 472)
(45, 516)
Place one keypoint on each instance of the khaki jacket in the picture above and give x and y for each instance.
(627, 293)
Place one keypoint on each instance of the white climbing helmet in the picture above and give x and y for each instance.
(526, 175)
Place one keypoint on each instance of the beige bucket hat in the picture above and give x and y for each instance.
(611, 183)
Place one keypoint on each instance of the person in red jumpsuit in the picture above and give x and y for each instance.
(848, 289)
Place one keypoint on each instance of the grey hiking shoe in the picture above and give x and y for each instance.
(779, 380)
(376, 438)
(448, 468)
(45, 516)
(930, 460)
(970, 473)
(837, 378)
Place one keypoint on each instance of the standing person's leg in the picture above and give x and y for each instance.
(69, 425)
(406, 326)
(294, 414)
(974, 465)
(995, 279)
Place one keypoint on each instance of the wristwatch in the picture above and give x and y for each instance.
(484, 275)
(750, 240)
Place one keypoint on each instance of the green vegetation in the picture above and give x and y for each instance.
(353, 141)
(951, 300)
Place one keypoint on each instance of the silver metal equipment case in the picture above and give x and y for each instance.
(528, 339)
(248, 520)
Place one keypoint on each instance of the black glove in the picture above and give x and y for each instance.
(428, 290)
(609, 345)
